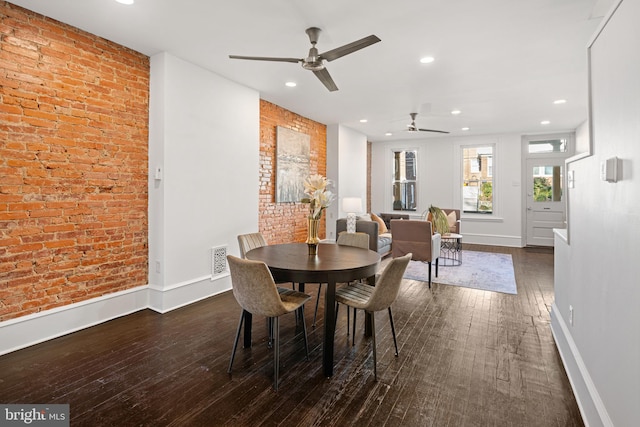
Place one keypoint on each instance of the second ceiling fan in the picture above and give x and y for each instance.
(314, 61)
(413, 128)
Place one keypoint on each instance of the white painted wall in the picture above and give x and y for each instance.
(582, 138)
(599, 272)
(204, 134)
(347, 168)
(439, 176)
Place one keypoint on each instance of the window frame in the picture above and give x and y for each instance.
(494, 181)
(416, 180)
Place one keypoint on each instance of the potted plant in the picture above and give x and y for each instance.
(439, 220)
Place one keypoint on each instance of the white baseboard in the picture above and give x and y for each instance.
(592, 409)
(175, 296)
(492, 240)
(35, 328)
(26, 331)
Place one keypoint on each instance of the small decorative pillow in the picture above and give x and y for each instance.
(430, 219)
(365, 217)
(451, 218)
(382, 227)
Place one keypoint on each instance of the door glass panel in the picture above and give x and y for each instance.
(547, 183)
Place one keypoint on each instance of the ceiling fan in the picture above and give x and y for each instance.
(315, 61)
(413, 128)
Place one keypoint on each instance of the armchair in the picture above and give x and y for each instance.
(415, 236)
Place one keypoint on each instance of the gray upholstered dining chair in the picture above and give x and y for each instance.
(246, 242)
(249, 241)
(256, 292)
(358, 240)
(375, 298)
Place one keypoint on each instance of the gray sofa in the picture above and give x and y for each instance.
(377, 242)
(387, 217)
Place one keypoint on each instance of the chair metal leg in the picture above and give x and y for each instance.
(373, 334)
(393, 331)
(304, 331)
(276, 352)
(353, 335)
(437, 266)
(270, 328)
(348, 322)
(235, 342)
(315, 313)
(429, 274)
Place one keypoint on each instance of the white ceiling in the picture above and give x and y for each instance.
(501, 62)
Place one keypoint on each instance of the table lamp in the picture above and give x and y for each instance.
(351, 205)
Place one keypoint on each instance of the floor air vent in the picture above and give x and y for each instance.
(219, 261)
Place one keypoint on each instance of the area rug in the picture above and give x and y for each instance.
(479, 270)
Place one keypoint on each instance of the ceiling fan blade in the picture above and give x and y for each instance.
(433, 130)
(338, 52)
(413, 128)
(326, 79)
(265, 58)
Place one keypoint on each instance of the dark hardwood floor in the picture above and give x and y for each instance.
(467, 358)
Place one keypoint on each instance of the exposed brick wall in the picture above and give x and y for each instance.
(286, 222)
(73, 164)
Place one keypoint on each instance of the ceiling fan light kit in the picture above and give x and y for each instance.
(314, 61)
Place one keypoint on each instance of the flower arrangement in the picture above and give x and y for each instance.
(315, 186)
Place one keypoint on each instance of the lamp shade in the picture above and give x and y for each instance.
(352, 204)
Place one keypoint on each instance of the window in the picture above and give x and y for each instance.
(548, 146)
(404, 180)
(477, 179)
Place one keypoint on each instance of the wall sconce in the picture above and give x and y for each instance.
(351, 205)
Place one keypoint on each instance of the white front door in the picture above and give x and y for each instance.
(545, 204)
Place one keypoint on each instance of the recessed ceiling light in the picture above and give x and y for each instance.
(290, 84)
(560, 101)
(545, 122)
(465, 128)
(427, 59)
(363, 120)
(456, 112)
(388, 134)
(125, 1)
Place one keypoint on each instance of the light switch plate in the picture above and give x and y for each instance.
(570, 179)
(609, 170)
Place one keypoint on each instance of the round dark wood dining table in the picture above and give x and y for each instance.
(291, 262)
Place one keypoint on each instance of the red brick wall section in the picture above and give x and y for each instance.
(73, 164)
(286, 222)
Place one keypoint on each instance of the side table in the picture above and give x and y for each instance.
(450, 250)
